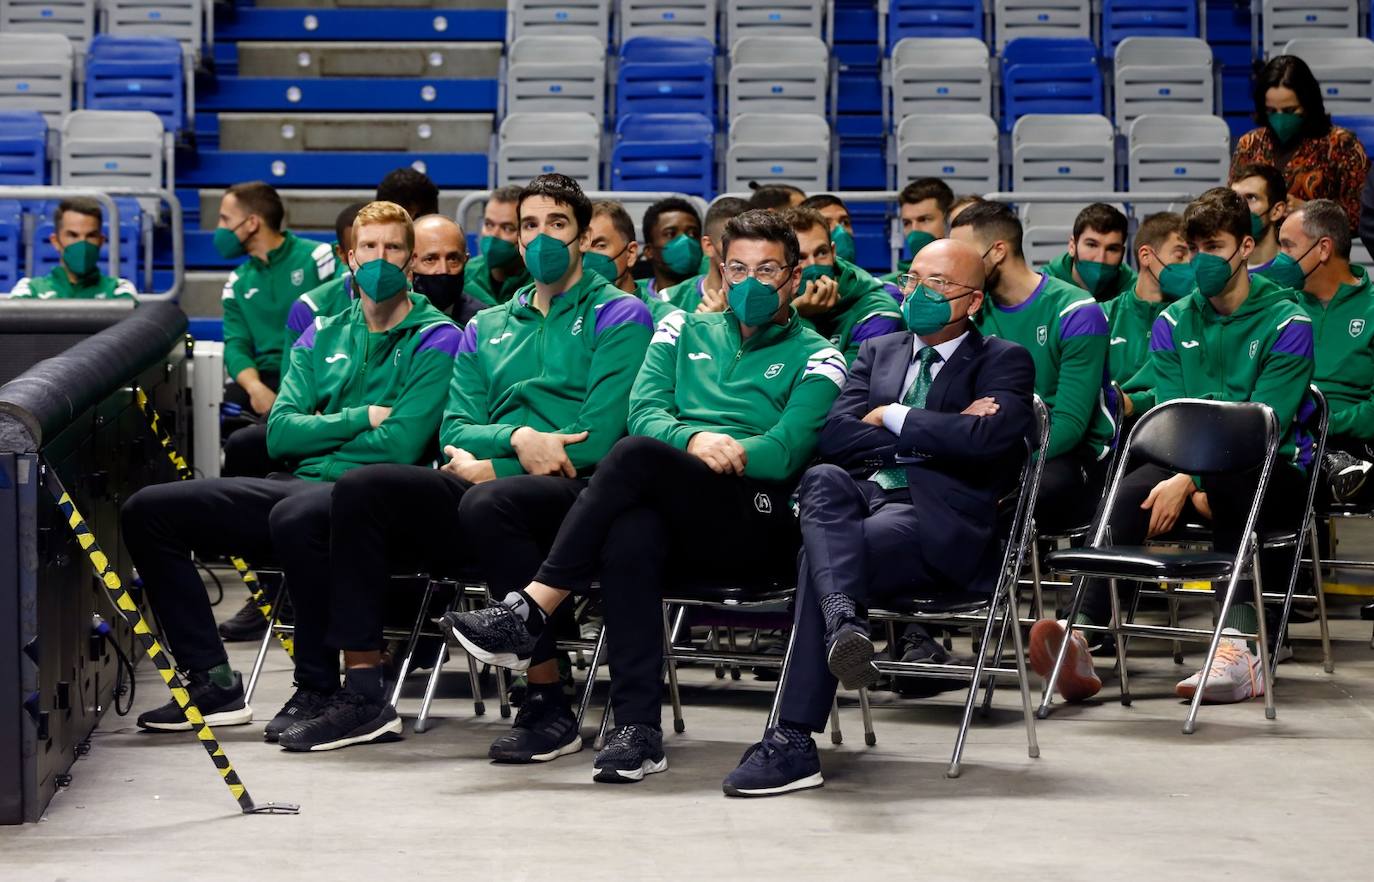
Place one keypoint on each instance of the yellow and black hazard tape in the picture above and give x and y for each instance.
(184, 473)
(129, 610)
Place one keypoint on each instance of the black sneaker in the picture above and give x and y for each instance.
(304, 704)
(247, 625)
(494, 635)
(850, 657)
(219, 706)
(347, 718)
(775, 766)
(1346, 473)
(916, 645)
(631, 752)
(545, 729)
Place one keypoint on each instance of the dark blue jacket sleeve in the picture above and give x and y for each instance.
(1008, 376)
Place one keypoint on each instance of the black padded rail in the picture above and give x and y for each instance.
(43, 400)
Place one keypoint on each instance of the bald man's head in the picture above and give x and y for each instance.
(440, 248)
(949, 270)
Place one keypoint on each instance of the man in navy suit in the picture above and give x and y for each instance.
(927, 435)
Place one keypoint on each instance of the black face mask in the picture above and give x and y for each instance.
(443, 290)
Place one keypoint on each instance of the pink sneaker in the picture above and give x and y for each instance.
(1077, 680)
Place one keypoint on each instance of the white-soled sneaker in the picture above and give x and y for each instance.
(1236, 675)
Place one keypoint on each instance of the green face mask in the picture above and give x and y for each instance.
(925, 311)
(1285, 125)
(916, 240)
(1100, 278)
(753, 302)
(843, 240)
(1257, 226)
(682, 256)
(1177, 280)
(547, 258)
(227, 242)
(1212, 273)
(82, 259)
(499, 253)
(815, 271)
(1288, 272)
(380, 280)
(603, 266)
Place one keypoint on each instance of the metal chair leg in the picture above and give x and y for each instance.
(1173, 623)
(1023, 681)
(1038, 587)
(678, 725)
(599, 741)
(1011, 620)
(411, 642)
(870, 737)
(1190, 723)
(592, 669)
(1266, 663)
(782, 680)
(1319, 588)
(836, 736)
(713, 640)
(1122, 674)
(502, 692)
(262, 648)
(1047, 698)
(978, 665)
(422, 721)
(735, 672)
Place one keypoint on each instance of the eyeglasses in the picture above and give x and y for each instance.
(769, 273)
(938, 284)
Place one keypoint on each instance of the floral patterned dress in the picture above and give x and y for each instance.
(1329, 167)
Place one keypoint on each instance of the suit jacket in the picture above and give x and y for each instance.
(958, 467)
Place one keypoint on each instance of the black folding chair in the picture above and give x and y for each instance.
(1194, 437)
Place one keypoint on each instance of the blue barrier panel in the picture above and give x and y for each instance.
(361, 24)
(394, 94)
(213, 168)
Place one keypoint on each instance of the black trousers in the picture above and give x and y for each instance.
(649, 507)
(1070, 490)
(1229, 497)
(388, 518)
(283, 520)
(858, 540)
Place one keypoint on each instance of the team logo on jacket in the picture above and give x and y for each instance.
(577, 327)
(1254, 347)
(1356, 327)
(1042, 334)
(763, 503)
(773, 371)
(396, 359)
(298, 277)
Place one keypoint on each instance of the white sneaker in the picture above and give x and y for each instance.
(1236, 675)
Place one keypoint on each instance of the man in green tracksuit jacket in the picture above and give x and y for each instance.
(609, 249)
(705, 292)
(724, 417)
(496, 272)
(78, 238)
(839, 300)
(1065, 331)
(1339, 298)
(259, 293)
(538, 396)
(366, 386)
(1131, 315)
(1096, 257)
(1236, 337)
(923, 206)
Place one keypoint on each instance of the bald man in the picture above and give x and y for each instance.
(441, 254)
(927, 435)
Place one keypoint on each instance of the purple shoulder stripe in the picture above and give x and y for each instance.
(300, 317)
(468, 342)
(1294, 339)
(444, 337)
(1161, 336)
(307, 339)
(1087, 320)
(622, 310)
(874, 326)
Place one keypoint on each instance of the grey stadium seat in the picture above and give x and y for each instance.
(36, 74)
(1052, 151)
(1284, 20)
(778, 148)
(1162, 75)
(531, 144)
(113, 148)
(1177, 153)
(556, 74)
(803, 18)
(1041, 18)
(182, 20)
(73, 19)
(1047, 226)
(962, 149)
(591, 18)
(778, 75)
(666, 18)
(941, 75)
(1345, 68)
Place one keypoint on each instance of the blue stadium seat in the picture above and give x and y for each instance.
(11, 244)
(23, 148)
(45, 257)
(137, 73)
(1362, 126)
(1049, 75)
(933, 18)
(664, 151)
(666, 75)
(1146, 18)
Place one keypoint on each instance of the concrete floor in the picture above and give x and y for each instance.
(1117, 792)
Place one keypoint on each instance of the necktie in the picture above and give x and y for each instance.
(895, 478)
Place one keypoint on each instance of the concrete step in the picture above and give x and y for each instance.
(408, 132)
(365, 59)
(316, 209)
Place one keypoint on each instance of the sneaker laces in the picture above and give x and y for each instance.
(627, 736)
(1228, 653)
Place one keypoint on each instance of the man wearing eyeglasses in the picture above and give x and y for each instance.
(928, 434)
(724, 416)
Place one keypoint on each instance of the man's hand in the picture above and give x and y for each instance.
(544, 453)
(1200, 503)
(1166, 502)
(261, 398)
(722, 453)
(983, 407)
(467, 467)
(377, 414)
(875, 416)
(1127, 406)
(712, 299)
(820, 297)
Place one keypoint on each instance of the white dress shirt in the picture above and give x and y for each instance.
(895, 415)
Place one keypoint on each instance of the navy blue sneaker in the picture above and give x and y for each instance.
(631, 752)
(850, 656)
(775, 766)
